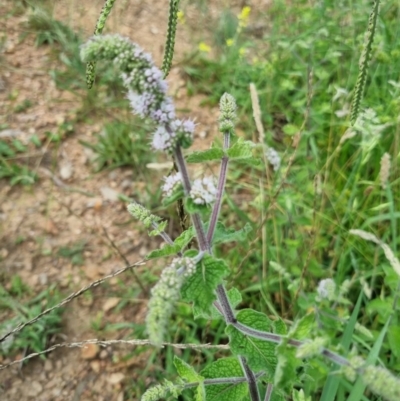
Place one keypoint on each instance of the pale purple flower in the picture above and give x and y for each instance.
(326, 289)
(171, 183)
(165, 113)
(147, 90)
(203, 191)
(162, 140)
(188, 126)
(274, 158)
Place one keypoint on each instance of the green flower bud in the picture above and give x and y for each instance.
(311, 348)
(162, 391)
(149, 220)
(164, 296)
(227, 118)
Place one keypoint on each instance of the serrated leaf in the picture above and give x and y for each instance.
(172, 249)
(241, 150)
(192, 207)
(260, 354)
(285, 374)
(186, 372)
(166, 250)
(302, 328)
(185, 237)
(200, 393)
(250, 161)
(189, 375)
(200, 287)
(205, 155)
(279, 327)
(223, 234)
(234, 296)
(178, 194)
(226, 367)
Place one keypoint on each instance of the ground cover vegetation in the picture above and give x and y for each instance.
(313, 203)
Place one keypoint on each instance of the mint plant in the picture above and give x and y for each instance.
(266, 354)
(268, 357)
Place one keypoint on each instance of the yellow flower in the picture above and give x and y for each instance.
(181, 17)
(229, 42)
(243, 17)
(203, 47)
(242, 51)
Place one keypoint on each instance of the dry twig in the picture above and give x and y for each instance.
(70, 297)
(111, 342)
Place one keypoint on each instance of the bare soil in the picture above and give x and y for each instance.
(70, 204)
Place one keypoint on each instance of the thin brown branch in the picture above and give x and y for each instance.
(70, 297)
(124, 258)
(106, 343)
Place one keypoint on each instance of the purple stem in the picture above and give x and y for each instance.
(268, 393)
(276, 338)
(223, 380)
(251, 379)
(204, 245)
(224, 305)
(197, 223)
(220, 191)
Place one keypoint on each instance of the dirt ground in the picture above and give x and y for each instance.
(70, 204)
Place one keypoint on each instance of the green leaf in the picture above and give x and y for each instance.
(226, 367)
(359, 386)
(192, 207)
(302, 328)
(200, 287)
(394, 340)
(241, 150)
(184, 238)
(166, 250)
(234, 296)
(290, 129)
(172, 249)
(223, 234)
(279, 327)
(189, 375)
(251, 161)
(178, 194)
(186, 372)
(298, 395)
(200, 393)
(332, 383)
(260, 354)
(285, 374)
(205, 155)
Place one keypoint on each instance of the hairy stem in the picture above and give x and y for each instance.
(268, 393)
(204, 245)
(276, 338)
(197, 223)
(251, 379)
(223, 380)
(220, 191)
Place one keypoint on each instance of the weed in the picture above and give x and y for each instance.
(16, 173)
(122, 144)
(73, 252)
(23, 106)
(36, 337)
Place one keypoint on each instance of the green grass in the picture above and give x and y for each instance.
(122, 143)
(34, 338)
(327, 191)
